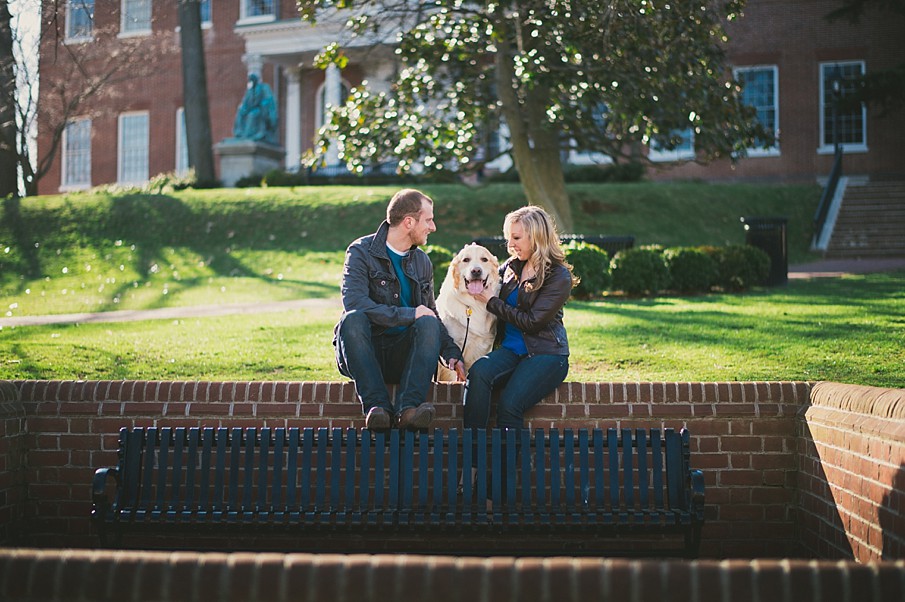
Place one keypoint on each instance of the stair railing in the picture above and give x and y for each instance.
(829, 192)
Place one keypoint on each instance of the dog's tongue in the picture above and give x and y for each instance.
(475, 286)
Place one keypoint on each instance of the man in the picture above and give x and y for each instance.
(389, 331)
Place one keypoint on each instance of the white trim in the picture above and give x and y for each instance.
(64, 159)
(822, 147)
(66, 29)
(771, 151)
(245, 19)
(673, 155)
(182, 144)
(120, 176)
(135, 32)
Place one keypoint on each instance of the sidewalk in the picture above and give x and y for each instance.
(817, 269)
(175, 313)
(833, 268)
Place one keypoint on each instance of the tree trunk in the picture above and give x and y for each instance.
(535, 144)
(9, 156)
(194, 86)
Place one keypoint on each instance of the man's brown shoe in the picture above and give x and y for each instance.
(415, 419)
(378, 419)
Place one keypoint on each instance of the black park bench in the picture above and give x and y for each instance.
(576, 492)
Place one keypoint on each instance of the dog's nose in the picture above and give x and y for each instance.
(476, 273)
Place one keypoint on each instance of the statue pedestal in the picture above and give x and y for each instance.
(240, 158)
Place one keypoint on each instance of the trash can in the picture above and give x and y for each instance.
(769, 235)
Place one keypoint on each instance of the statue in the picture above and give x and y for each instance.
(256, 118)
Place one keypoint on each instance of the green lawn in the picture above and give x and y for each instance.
(100, 252)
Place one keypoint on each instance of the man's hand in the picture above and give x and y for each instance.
(424, 310)
(458, 367)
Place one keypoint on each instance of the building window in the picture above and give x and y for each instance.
(76, 159)
(682, 152)
(841, 124)
(257, 10)
(79, 19)
(761, 91)
(136, 17)
(182, 147)
(205, 12)
(133, 148)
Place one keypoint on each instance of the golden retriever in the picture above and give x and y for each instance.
(467, 320)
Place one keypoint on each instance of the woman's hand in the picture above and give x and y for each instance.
(484, 296)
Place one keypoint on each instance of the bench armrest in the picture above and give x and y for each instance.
(697, 491)
(100, 501)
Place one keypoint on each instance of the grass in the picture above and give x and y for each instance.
(98, 252)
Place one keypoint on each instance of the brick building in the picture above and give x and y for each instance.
(788, 54)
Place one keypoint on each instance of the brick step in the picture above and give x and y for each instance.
(858, 223)
(863, 254)
(874, 203)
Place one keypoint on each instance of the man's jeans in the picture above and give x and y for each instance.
(525, 380)
(408, 359)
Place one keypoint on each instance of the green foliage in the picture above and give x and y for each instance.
(639, 271)
(440, 257)
(739, 267)
(691, 270)
(607, 78)
(592, 265)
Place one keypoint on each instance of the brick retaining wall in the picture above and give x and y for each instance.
(760, 444)
(852, 472)
(74, 576)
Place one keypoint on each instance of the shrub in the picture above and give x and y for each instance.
(740, 266)
(250, 181)
(691, 270)
(440, 257)
(639, 271)
(592, 266)
(614, 172)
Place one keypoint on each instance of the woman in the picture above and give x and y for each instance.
(532, 359)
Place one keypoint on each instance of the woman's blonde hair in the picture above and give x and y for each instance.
(546, 250)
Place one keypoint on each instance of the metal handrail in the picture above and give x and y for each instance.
(829, 192)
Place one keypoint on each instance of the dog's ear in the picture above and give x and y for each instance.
(452, 272)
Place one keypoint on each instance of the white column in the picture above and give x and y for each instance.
(332, 98)
(293, 131)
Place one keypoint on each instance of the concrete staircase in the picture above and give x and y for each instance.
(871, 222)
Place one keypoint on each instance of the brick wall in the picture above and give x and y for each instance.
(743, 436)
(13, 450)
(851, 480)
(64, 576)
(791, 470)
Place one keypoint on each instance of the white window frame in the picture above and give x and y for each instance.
(181, 166)
(71, 7)
(70, 157)
(126, 147)
(246, 18)
(125, 24)
(770, 151)
(679, 153)
(210, 13)
(825, 148)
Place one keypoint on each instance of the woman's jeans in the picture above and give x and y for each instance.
(408, 358)
(525, 380)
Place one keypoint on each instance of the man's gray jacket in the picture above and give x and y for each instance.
(370, 285)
